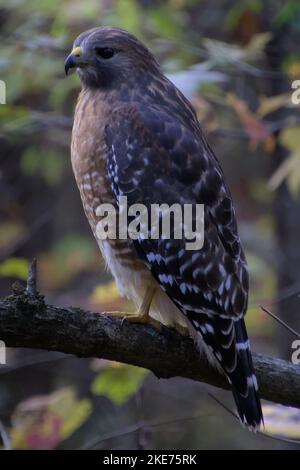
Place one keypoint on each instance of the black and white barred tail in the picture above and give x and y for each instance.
(228, 342)
(247, 401)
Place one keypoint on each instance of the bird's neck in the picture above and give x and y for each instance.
(139, 87)
(144, 90)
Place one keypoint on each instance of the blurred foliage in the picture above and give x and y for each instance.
(290, 168)
(69, 256)
(107, 298)
(46, 164)
(105, 293)
(15, 267)
(257, 132)
(264, 284)
(282, 421)
(119, 382)
(42, 422)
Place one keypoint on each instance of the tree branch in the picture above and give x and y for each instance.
(27, 321)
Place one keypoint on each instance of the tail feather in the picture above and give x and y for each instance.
(228, 341)
(248, 405)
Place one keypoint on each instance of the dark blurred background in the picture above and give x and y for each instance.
(236, 62)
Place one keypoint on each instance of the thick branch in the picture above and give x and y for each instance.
(26, 321)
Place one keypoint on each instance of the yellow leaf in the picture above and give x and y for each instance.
(269, 105)
(282, 173)
(17, 439)
(258, 42)
(105, 293)
(15, 267)
(290, 168)
(293, 70)
(79, 413)
(290, 138)
(119, 384)
(62, 401)
(42, 421)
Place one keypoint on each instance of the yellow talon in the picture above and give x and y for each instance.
(142, 315)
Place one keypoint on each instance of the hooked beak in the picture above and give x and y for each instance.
(75, 59)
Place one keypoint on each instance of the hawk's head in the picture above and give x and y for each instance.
(105, 57)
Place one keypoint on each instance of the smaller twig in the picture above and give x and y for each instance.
(281, 322)
(261, 433)
(31, 281)
(18, 288)
(4, 437)
(35, 226)
(146, 425)
(225, 407)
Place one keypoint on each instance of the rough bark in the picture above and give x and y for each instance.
(27, 321)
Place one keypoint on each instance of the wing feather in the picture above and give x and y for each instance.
(154, 158)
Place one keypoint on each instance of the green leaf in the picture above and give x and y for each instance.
(166, 22)
(50, 165)
(119, 383)
(288, 13)
(235, 12)
(129, 13)
(72, 245)
(15, 267)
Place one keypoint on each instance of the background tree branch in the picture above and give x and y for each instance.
(27, 321)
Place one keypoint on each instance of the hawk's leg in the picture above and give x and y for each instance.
(142, 315)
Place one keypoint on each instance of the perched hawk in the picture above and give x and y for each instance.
(136, 135)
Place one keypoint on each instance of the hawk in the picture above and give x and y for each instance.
(136, 135)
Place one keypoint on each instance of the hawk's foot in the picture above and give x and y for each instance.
(142, 315)
(138, 317)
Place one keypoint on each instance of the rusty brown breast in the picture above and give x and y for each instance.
(88, 154)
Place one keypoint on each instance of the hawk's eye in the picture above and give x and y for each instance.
(104, 52)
